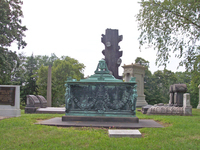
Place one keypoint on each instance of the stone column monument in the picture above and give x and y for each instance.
(198, 107)
(49, 88)
(137, 71)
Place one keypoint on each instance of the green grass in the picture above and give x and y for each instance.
(181, 132)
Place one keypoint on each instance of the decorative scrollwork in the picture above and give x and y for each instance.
(67, 97)
(101, 98)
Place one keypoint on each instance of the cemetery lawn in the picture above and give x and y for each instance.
(180, 132)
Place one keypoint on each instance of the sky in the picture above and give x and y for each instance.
(74, 28)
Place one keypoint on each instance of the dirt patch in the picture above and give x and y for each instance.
(164, 124)
(1, 118)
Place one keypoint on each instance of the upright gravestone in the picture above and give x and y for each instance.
(187, 108)
(111, 51)
(137, 71)
(171, 95)
(10, 101)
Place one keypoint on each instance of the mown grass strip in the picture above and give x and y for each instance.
(180, 132)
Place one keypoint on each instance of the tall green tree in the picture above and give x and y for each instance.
(9, 62)
(11, 31)
(30, 75)
(195, 81)
(171, 26)
(29, 86)
(142, 62)
(62, 69)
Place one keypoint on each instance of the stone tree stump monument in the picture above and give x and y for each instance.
(111, 51)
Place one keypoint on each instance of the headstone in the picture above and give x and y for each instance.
(145, 108)
(49, 101)
(43, 101)
(187, 108)
(124, 133)
(198, 107)
(137, 71)
(10, 101)
(165, 110)
(32, 104)
(111, 51)
(160, 104)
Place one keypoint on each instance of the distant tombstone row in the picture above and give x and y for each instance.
(34, 102)
(171, 109)
(179, 103)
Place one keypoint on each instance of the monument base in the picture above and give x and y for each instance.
(141, 101)
(10, 112)
(29, 110)
(198, 107)
(10, 101)
(101, 119)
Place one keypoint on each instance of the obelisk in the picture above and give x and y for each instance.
(198, 107)
(49, 87)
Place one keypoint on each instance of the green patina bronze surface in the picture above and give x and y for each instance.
(101, 95)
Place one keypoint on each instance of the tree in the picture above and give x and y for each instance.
(9, 62)
(142, 62)
(171, 26)
(29, 77)
(29, 86)
(10, 24)
(11, 31)
(62, 69)
(42, 80)
(183, 77)
(45, 60)
(195, 81)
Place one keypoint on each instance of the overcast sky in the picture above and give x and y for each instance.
(74, 27)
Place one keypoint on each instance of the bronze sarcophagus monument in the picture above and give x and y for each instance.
(101, 97)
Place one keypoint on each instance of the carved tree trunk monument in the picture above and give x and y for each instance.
(111, 51)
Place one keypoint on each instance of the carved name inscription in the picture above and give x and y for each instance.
(7, 96)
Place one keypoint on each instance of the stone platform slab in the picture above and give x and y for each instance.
(101, 119)
(124, 133)
(51, 110)
(143, 123)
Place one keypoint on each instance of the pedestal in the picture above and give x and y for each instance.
(10, 101)
(141, 101)
(137, 71)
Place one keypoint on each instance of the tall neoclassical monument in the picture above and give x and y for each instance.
(137, 71)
